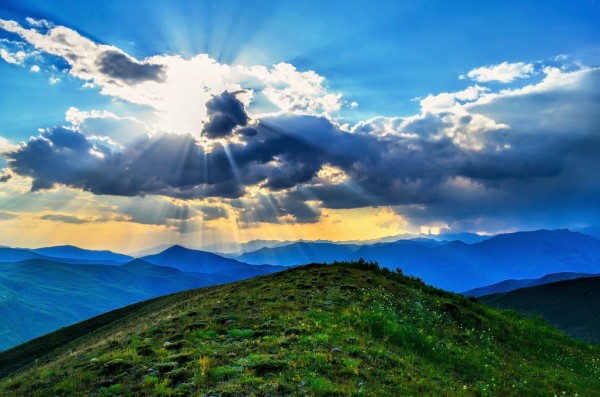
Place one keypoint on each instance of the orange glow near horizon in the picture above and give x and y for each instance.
(32, 231)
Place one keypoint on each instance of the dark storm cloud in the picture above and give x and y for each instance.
(5, 177)
(119, 66)
(541, 162)
(58, 156)
(286, 152)
(225, 112)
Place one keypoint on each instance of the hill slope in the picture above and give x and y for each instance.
(335, 330)
(571, 305)
(39, 296)
(511, 285)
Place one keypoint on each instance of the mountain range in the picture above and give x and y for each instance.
(47, 288)
(76, 253)
(455, 265)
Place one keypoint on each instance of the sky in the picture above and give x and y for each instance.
(127, 125)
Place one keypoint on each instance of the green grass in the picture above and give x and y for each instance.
(348, 329)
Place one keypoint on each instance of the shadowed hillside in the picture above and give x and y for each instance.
(511, 285)
(571, 305)
(337, 330)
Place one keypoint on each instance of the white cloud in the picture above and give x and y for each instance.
(555, 80)
(16, 58)
(504, 73)
(472, 116)
(449, 100)
(106, 127)
(6, 146)
(39, 23)
(35, 68)
(177, 88)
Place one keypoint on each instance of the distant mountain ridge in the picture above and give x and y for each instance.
(73, 255)
(8, 254)
(72, 252)
(300, 253)
(455, 265)
(194, 261)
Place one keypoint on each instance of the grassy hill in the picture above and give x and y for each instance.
(571, 305)
(337, 330)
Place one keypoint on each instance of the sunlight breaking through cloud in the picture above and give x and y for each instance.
(267, 142)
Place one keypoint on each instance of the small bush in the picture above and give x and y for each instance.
(291, 331)
(113, 390)
(263, 363)
(223, 373)
(115, 366)
(178, 375)
(240, 333)
(322, 387)
(163, 368)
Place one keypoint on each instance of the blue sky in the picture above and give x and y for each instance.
(380, 54)
(358, 73)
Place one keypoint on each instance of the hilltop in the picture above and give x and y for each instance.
(316, 330)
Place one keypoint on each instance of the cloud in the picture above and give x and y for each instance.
(39, 23)
(6, 146)
(263, 142)
(178, 89)
(106, 126)
(504, 72)
(225, 112)
(518, 146)
(120, 66)
(276, 207)
(65, 218)
(155, 210)
(5, 175)
(87, 60)
(6, 215)
(213, 212)
(14, 58)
